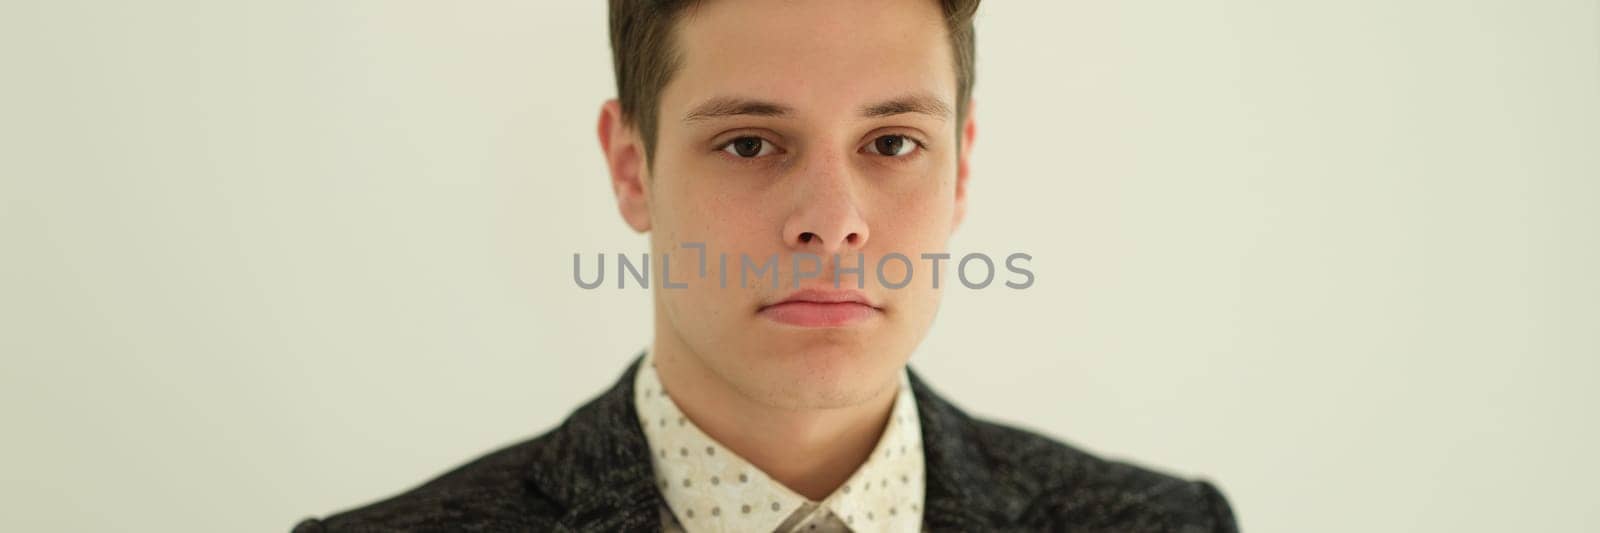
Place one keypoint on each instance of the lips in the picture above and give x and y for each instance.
(821, 308)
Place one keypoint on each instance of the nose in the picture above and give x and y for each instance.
(827, 218)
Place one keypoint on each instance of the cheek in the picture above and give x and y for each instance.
(725, 220)
(691, 205)
(694, 207)
(915, 219)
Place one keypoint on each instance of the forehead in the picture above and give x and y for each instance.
(817, 56)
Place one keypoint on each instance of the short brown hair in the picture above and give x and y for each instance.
(644, 58)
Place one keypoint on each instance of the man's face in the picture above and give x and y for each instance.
(819, 127)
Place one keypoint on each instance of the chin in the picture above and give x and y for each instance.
(823, 374)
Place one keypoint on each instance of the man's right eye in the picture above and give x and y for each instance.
(748, 147)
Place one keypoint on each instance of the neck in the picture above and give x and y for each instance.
(810, 451)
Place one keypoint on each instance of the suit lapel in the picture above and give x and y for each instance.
(962, 493)
(599, 466)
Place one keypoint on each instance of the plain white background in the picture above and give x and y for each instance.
(263, 260)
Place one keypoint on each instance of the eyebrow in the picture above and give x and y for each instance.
(924, 104)
(729, 106)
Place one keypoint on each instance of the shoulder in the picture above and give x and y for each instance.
(489, 492)
(984, 474)
(591, 472)
(1062, 486)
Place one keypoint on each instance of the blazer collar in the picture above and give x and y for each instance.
(598, 465)
(617, 490)
(962, 494)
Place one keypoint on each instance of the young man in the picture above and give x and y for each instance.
(759, 129)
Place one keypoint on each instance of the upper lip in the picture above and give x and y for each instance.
(817, 295)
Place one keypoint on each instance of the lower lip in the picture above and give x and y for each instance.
(819, 314)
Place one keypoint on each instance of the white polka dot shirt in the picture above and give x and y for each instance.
(708, 488)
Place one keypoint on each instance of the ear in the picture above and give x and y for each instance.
(968, 133)
(624, 152)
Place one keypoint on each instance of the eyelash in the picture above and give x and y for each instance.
(920, 146)
(722, 147)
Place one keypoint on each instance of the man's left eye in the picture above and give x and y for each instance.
(893, 145)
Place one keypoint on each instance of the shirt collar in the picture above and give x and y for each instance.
(710, 488)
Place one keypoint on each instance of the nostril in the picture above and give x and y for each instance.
(807, 236)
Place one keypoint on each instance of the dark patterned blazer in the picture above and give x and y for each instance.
(593, 473)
